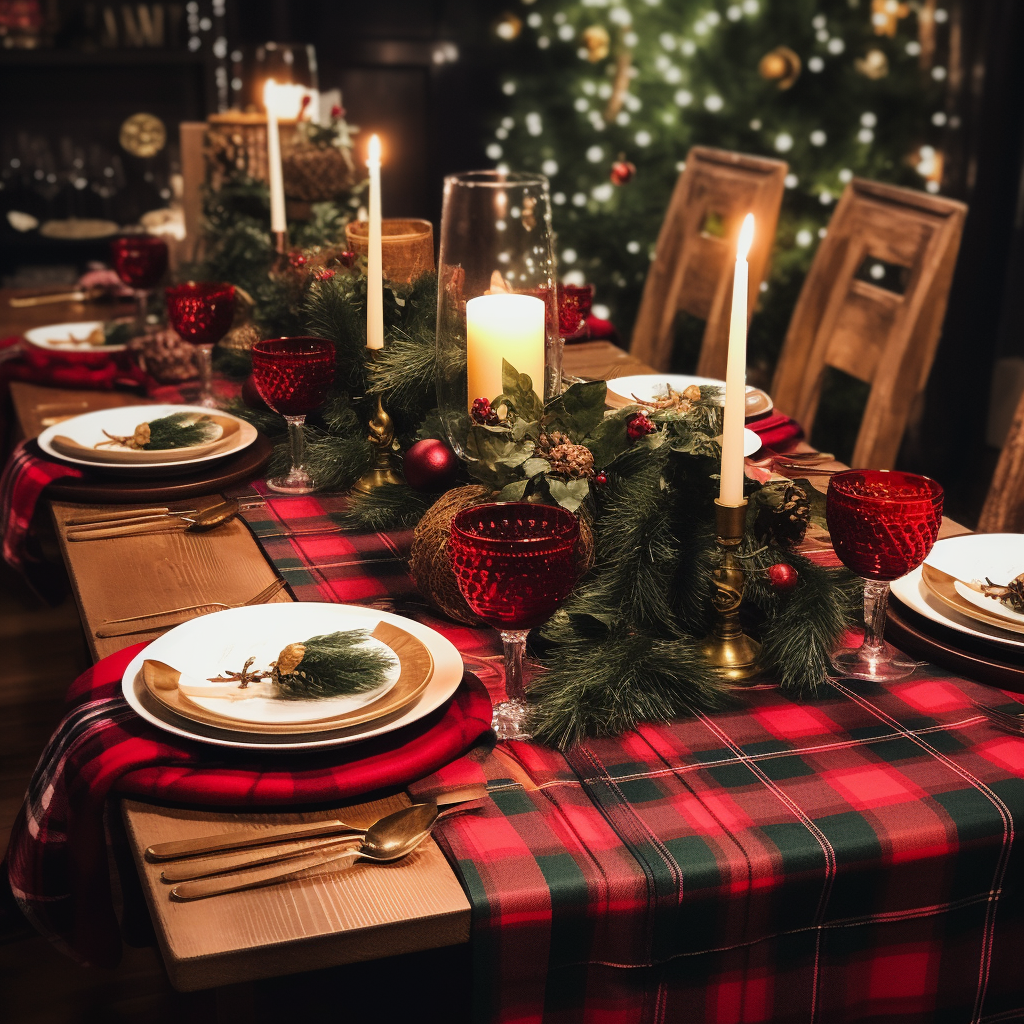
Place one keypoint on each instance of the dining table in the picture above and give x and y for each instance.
(793, 860)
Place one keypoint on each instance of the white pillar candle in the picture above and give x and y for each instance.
(374, 262)
(270, 101)
(503, 326)
(731, 488)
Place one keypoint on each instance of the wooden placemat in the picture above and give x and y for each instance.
(235, 469)
(977, 659)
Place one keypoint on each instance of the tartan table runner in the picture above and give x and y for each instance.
(846, 858)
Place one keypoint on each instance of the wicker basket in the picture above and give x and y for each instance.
(318, 174)
(407, 246)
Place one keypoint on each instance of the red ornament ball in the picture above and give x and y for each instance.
(639, 426)
(430, 465)
(601, 479)
(782, 576)
(622, 172)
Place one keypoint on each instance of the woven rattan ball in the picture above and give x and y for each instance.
(429, 562)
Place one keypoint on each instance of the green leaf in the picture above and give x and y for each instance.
(569, 494)
(580, 409)
(533, 466)
(608, 439)
(514, 491)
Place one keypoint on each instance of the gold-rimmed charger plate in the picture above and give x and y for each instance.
(943, 586)
(416, 668)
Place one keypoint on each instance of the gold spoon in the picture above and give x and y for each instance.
(391, 838)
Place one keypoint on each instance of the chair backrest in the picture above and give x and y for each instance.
(1003, 511)
(875, 334)
(693, 264)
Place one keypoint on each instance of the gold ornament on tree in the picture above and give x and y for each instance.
(781, 66)
(508, 26)
(886, 16)
(598, 43)
(874, 64)
(143, 135)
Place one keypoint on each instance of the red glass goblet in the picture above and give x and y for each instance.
(515, 563)
(883, 524)
(202, 314)
(293, 375)
(574, 305)
(140, 261)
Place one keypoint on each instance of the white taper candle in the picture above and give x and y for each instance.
(731, 487)
(374, 261)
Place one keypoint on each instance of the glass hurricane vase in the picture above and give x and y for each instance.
(515, 563)
(496, 297)
(883, 523)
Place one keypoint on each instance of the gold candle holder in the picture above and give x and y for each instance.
(281, 242)
(385, 466)
(731, 653)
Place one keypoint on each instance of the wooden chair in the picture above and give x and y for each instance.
(1003, 511)
(692, 267)
(877, 335)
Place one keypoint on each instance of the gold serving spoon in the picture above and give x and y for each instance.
(391, 838)
(280, 833)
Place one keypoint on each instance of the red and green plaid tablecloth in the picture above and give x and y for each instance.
(855, 857)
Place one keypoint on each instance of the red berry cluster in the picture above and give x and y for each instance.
(296, 259)
(639, 426)
(324, 274)
(600, 479)
(483, 413)
(348, 259)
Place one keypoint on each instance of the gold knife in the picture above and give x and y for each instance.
(284, 833)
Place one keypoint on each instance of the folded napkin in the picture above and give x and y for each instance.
(776, 430)
(99, 371)
(57, 858)
(24, 478)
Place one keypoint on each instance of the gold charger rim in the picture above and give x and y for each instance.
(941, 583)
(417, 669)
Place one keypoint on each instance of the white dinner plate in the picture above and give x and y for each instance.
(245, 627)
(968, 557)
(648, 386)
(88, 428)
(69, 337)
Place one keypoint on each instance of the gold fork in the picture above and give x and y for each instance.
(261, 598)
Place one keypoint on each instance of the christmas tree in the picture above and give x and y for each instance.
(606, 97)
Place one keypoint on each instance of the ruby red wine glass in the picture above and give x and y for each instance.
(293, 375)
(140, 261)
(883, 523)
(515, 563)
(202, 313)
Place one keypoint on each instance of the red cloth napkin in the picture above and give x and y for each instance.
(107, 371)
(57, 858)
(24, 479)
(777, 430)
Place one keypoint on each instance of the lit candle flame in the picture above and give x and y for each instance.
(374, 151)
(746, 237)
(268, 93)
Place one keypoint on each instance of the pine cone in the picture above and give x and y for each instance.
(572, 461)
(784, 510)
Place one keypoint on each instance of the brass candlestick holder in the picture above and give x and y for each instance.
(731, 653)
(281, 242)
(385, 467)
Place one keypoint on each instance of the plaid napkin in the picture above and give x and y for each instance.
(24, 478)
(102, 373)
(57, 858)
